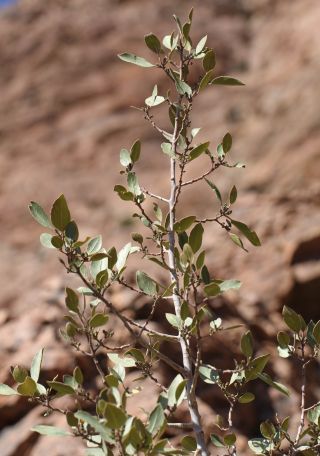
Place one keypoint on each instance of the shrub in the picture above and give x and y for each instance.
(174, 245)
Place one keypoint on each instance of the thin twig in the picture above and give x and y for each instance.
(199, 178)
(303, 393)
(153, 195)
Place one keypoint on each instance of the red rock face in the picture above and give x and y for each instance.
(64, 115)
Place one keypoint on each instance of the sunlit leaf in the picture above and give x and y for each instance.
(132, 58)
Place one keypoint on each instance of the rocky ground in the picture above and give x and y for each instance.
(64, 115)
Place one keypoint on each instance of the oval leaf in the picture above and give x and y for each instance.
(146, 284)
(60, 215)
(39, 215)
(153, 43)
(6, 390)
(99, 319)
(227, 80)
(132, 58)
(115, 416)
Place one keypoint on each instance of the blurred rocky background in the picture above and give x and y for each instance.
(64, 115)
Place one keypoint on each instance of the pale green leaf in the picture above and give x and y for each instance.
(132, 58)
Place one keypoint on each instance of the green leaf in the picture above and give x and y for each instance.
(132, 58)
(245, 230)
(123, 193)
(98, 256)
(173, 320)
(227, 80)
(194, 132)
(158, 212)
(170, 42)
(246, 398)
(36, 365)
(209, 374)
(231, 284)
(99, 319)
(216, 440)
(72, 300)
(260, 446)
(267, 429)
(112, 380)
(230, 439)
(276, 385)
(28, 387)
(182, 87)
(39, 215)
(184, 310)
(156, 420)
(97, 452)
(189, 443)
(310, 338)
(200, 46)
(135, 151)
(215, 189)
(115, 416)
(205, 81)
(220, 151)
(71, 329)
(133, 184)
(60, 215)
(292, 319)
(99, 262)
(125, 158)
(19, 374)
(124, 361)
(45, 239)
(314, 415)
(112, 257)
(50, 430)
(212, 289)
(167, 149)
(78, 375)
(102, 278)
(123, 256)
(256, 366)
(72, 231)
(175, 391)
(61, 388)
(227, 142)
(200, 260)
(197, 151)
(205, 276)
(186, 30)
(95, 424)
(195, 238)
(187, 254)
(153, 43)
(233, 195)
(237, 241)
(136, 354)
(6, 390)
(246, 344)
(184, 224)
(146, 284)
(209, 61)
(283, 339)
(154, 99)
(316, 332)
(57, 242)
(137, 237)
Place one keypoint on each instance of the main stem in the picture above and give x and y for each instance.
(187, 361)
